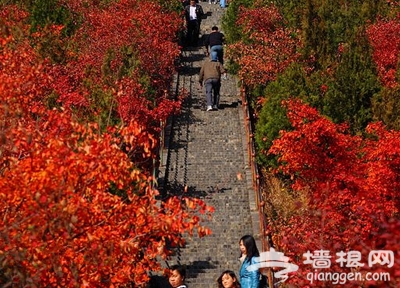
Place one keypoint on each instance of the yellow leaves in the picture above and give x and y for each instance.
(190, 203)
(202, 231)
(63, 202)
(141, 210)
(168, 221)
(86, 148)
(74, 219)
(210, 209)
(135, 175)
(41, 199)
(37, 196)
(91, 237)
(129, 246)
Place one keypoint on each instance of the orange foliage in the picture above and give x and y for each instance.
(352, 187)
(268, 49)
(76, 211)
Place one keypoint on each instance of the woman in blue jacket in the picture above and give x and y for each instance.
(248, 249)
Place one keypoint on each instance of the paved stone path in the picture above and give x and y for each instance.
(206, 151)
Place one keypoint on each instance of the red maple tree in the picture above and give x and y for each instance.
(268, 48)
(351, 186)
(77, 210)
(122, 52)
(384, 37)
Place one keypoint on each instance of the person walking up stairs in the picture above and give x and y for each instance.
(208, 154)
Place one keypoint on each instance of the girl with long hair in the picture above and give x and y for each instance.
(249, 252)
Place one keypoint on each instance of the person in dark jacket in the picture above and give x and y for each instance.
(210, 74)
(193, 15)
(158, 281)
(214, 44)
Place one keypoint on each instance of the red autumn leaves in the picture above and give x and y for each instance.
(351, 184)
(78, 207)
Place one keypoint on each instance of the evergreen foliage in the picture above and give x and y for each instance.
(349, 97)
(386, 107)
(272, 117)
(336, 73)
(45, 12)
(232, 32)
(333, 135)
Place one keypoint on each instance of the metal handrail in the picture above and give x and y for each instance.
(265, 241)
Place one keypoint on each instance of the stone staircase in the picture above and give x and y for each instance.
(207, 152)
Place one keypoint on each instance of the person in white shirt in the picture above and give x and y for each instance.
(193, 16)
